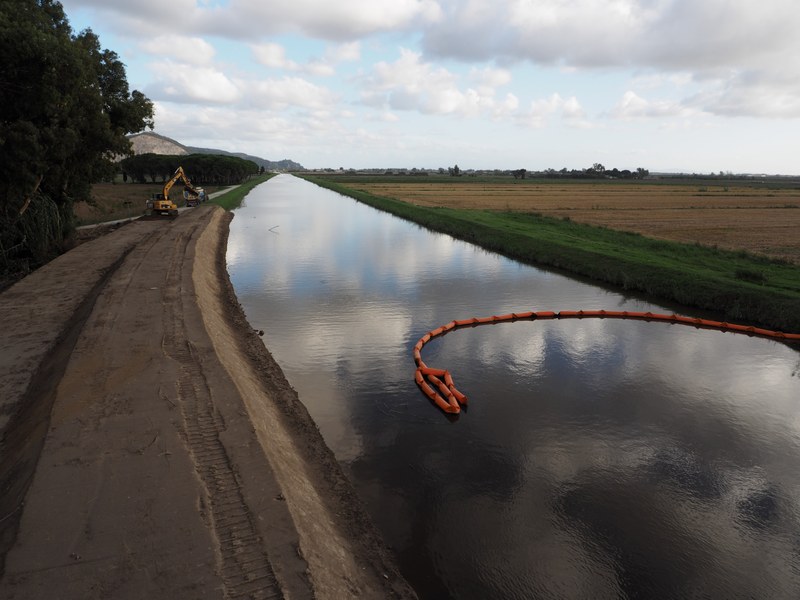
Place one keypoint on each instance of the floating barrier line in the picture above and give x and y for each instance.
(437, 384)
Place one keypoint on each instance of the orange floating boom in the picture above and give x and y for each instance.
(450, 400)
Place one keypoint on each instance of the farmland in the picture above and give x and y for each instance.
(762, 218)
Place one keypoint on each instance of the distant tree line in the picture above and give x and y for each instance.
(202, 169)
(65, 110)
(596, 171)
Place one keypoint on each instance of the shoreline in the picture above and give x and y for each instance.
(176, 459)
(745, 289)
(295, 445)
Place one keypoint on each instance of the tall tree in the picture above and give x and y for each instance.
(65, 109)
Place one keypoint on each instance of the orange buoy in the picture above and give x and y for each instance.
(450, 400)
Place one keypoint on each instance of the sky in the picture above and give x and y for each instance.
(694, 86)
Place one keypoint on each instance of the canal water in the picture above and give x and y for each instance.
(597, 458)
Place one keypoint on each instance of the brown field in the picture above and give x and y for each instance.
(756, 219)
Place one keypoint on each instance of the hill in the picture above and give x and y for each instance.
(279, 165)
(149, 141)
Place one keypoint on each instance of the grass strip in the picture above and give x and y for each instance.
(743, 287)
(233, 199)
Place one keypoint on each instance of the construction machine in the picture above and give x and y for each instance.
(160, 204)
(193, 196)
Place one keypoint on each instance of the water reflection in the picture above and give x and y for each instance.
(598, 458)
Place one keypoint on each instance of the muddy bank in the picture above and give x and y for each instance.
(176, 459)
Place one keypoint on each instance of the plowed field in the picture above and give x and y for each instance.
(757, 219)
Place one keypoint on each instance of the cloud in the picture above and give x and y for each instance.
(585, 33)
(273, 56)
(541, 110)
(179, 82)
(342, 20)
(241, 129)
(746, 93)
(753, 93)
(143, 17)
(192, 50)
(632, 106)
(345, 20)
(410, 84)
(188, 84)
(736, 50)
(347, 52)
(738, 47)
(490, 77)
(288, 93)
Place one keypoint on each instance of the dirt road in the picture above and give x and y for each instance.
(152, 447)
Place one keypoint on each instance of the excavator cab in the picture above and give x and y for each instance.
(162, 205)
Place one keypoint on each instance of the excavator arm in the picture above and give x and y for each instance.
(179, 174)
(161, 204)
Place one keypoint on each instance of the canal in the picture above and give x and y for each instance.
(597, 458)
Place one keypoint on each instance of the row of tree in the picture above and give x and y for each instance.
(596, 171)
(65, 110)
(202, 169)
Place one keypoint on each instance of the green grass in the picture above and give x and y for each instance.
(233, 199)
(740, 286)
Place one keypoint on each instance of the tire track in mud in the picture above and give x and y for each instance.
(244, 566)
(22, 440)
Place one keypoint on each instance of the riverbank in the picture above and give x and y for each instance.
(153, 447)
(741, 287)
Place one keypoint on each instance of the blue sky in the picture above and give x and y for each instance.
(668, 85)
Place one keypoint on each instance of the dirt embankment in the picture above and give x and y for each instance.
(151, 445)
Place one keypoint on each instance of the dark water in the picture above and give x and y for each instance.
(598, 459)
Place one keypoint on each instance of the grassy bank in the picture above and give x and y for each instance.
(233, 199)
(741, 286)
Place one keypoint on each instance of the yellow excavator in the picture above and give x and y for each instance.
(160, 204)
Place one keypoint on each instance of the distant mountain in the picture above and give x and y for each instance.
(149, 141)
(279, 165)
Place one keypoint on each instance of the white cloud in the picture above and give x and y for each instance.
(652, 81)
(410, 84)
(541, 110)
(192, 50)
(752, 93)
(251, 19)
(665, 33)
(273, 56)
(345, 20)
(744, 45)
(236, 129)
(287, 92)
(472, 66)
(187, 83)
(386, 116)
(507, 106)
(347, 52)
(490, 77)
(632, 106)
